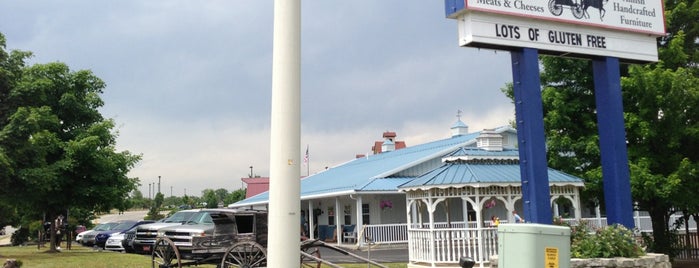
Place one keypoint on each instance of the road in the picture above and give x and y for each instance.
(128, 215)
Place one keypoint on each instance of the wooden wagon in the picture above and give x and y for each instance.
(237, 238)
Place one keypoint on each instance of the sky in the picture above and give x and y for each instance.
(189, 82)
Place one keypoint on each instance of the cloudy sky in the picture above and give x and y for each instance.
(189, 82)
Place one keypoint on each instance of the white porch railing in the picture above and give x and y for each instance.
(384, 234)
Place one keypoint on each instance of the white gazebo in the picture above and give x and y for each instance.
(449, 209)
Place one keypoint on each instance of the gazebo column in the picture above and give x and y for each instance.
(430, 209)
(479, 226)
(577, 205)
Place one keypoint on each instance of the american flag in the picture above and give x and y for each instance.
(305, 157)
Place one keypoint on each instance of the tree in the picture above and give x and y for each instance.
(661, 103)
(235, 196)
(154, 212)
(663, 135)
(209, 196)
(57, 151)
(221, 194)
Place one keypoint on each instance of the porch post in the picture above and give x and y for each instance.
(311, 223)
(360, 222)
(338, 214)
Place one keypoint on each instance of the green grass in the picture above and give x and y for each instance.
(80, 256)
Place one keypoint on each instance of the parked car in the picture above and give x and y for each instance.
(200, 225)
(127, 242)
(79, 236)
(102, 237)
(80, 229)
(146, 234)
(88, 237)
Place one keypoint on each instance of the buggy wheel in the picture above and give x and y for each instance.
(165, 254)
(555, 8)
(308, 261)
(244, 255)
(577, 10)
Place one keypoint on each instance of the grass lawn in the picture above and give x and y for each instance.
(80, 256)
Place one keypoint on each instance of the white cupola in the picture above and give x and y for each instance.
(459, 128)
(489, 140)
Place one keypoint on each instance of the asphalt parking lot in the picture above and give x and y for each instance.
(383, 255)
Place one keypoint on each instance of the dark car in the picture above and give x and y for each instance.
(115, 241)
(101, 237)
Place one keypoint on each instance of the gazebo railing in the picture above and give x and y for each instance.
(449, 245)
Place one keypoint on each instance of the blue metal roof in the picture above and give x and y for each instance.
(463, 173)
(386, 184)
(374, 173)
(360, 174)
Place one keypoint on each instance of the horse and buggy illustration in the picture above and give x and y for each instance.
(577, 7)
(237, 238)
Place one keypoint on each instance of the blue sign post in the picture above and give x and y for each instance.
(530, 133)
(612, 139)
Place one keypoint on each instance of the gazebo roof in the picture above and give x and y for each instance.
(463, 173)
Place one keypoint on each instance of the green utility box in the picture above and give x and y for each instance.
(533, 246)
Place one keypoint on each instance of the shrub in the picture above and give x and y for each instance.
(608, 242)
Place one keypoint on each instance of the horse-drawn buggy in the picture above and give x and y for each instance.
(230, 238)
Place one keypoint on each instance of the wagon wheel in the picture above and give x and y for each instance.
(555, 8)
(577, 11)
(165, 254)
(244, 255)
(310, 262)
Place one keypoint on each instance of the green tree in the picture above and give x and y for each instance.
(234, 196)
(154, 212)
(58, 152)
(221, 194)
(209, 196)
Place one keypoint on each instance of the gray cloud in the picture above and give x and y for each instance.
(189, 82)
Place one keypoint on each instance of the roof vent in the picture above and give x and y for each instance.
(388, 145)
(490, 140)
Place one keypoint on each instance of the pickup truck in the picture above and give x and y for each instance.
(147, 234)
(201, 225)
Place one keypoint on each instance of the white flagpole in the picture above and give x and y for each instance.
(285, 146)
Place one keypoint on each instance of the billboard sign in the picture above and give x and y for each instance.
(626, 29)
